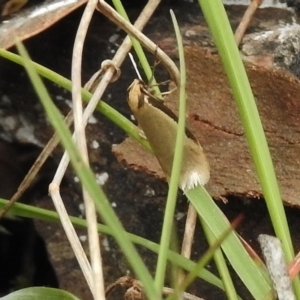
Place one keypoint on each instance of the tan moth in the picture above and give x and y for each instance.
(159, 125)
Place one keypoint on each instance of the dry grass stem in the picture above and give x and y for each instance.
(39, 162)
(79, 128)
(105, 80)
(188, 237)
(111, 14)
(71, 234)
(240, 31)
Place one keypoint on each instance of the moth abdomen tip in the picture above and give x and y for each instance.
(193, 179)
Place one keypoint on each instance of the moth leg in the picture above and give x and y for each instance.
(169, 92)
(142, 134)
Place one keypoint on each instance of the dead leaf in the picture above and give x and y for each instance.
(12, 6)
(33, 20)
(214, 120)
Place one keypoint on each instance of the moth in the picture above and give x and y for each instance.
(159, 125)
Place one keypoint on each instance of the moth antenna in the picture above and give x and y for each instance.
(135, 66)
(153, 69)
(156, 63)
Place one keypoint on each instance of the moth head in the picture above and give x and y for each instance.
(138, 95)
(135, 95)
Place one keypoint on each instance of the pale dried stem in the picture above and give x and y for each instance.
(39, 162)
(111, 14)
(79, 128)
(119, 58)
(188, 237)
(251, 9)
(185, 296)
(117, 61)
(71, 234)
(52, 143)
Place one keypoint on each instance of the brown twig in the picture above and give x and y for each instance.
(111, 14)
(240, 31)
(188, 237)
(30, 176)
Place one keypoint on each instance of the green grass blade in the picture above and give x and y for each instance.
(37, 293)
(88, 180)
(102, 107)
(217, 20)
(176, 168)
(138, 49)
(213, 251)
(65, 83)
(221, 264)
(28, 211)
(235, 252)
